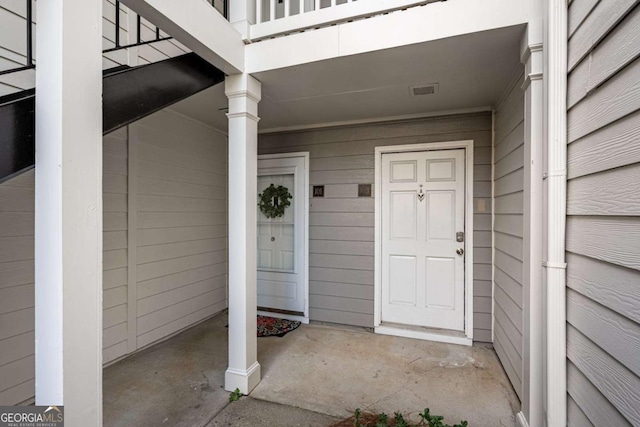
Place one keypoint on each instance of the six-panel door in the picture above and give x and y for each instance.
(423, 195)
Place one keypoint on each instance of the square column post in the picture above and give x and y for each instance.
(244, 94)
(533, 354)
(242, 14)
(68, 209)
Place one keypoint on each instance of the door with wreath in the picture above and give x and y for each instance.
(280, 257)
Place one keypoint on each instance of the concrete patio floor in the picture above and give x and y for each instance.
(309, 377)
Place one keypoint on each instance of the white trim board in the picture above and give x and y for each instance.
(305, 154)
(422, 335)
(468, 263)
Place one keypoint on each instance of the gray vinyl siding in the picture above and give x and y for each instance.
(181, 236)
(13, 50)
(341, 225)
(114, 261)
(17, 317)
(181, 224)
(603, 214)
(508, 232)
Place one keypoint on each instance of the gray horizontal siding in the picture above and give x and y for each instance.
(115, 263)
(603, 241)
(17, 346)
(181, 238)
(181, 232)
(508, 229)
(17, 368)
(342, 225)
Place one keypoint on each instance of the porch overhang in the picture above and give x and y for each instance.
(435, 21)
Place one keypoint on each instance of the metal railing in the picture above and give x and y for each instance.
(139, 42)
(225, 7)
(158, 37)
(29, 34)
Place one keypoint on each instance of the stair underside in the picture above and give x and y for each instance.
(129, 94)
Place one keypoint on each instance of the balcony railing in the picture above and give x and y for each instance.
(145, 33)
(279, 17)
(158, 36)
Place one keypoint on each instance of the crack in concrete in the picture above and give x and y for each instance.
(398, 390)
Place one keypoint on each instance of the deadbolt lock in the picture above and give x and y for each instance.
(460, 251)
(460, 236)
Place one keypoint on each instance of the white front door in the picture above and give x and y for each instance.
(423, 196)
(281, 240)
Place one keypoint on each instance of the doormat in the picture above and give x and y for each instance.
(272, 327)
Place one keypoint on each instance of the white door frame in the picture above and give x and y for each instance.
(467, 339)
(304, 154)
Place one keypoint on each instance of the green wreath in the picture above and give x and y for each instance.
(274, 200)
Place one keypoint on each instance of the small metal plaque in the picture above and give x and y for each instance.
(318, 191)
(364, 190)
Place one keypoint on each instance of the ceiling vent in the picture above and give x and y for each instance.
(428, 89)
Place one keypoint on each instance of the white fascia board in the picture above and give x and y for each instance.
(198, 26)
(415, 25)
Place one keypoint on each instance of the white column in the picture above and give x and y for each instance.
(556, 213)
(243, 92)
(242, 14)
(68, 219)
(532, 395)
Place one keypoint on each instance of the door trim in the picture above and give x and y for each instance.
(304, 154)
(442, 336)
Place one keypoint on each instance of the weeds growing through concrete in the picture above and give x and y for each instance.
(372, 419)
(235, 395)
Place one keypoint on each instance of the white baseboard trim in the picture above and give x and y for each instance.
(522, 421)
(243, 380)
(303, 319)
(423, 335)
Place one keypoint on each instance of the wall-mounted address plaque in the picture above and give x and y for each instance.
(364, 190)
(318, 191)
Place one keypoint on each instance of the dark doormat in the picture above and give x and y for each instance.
(272, 327)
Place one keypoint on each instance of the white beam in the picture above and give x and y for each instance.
(68, 224)
(199, 26)
(244, 93)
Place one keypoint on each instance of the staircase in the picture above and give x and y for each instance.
(129, 94)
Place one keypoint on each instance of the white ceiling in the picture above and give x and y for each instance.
(472, 71)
